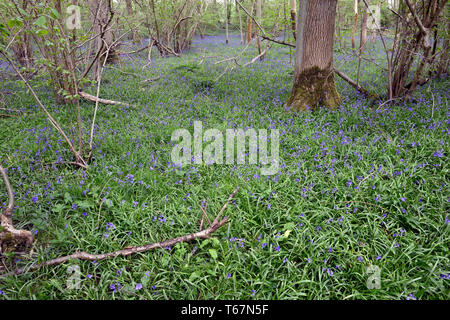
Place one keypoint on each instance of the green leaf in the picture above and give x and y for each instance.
(58, 208)
(55, 14)
(23, 12)
(213, 253)
(68, 197)
(145, 280)
(204, 243)
(4, 31)
(194, 275)
(15, 22)
(109, 203)
(41, 32)
(286, 233)
(41, 22)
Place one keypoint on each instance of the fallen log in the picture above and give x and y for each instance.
(92, 98)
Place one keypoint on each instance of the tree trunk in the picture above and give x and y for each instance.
(355, 10)
(238, 9)
(314, 76)
(22, 49)
(294, 18)
(363, 39)
(258, 18)
(102, 10)
(444, 59)
(129, 6)
(226, 21)
(249, 23)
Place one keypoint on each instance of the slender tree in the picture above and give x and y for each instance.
(314, 74)
(226, 21)
(258, 18)
(355, 11)
(294, 18)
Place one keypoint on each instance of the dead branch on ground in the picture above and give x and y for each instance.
(202, 234)
(11, 239)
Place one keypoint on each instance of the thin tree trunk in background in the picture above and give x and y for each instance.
(226, 21)
(161, 49)
(362, 41)
(101, 10)
(130, 16)
(22, 49)
(258, 18)
(294, 18)
(363, 38)
(374, 32)
(249, 23)
(240, 22)
(355, 10)
(338, 26)
(285, 20)
(314, 73)
(444, 58)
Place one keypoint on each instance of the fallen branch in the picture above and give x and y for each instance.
(202, 234)
(124, 72)
(92, 98)
(354, 84)
(258, 56)
(11, 110)
(12, 239)
(150, 80)
(135, 51)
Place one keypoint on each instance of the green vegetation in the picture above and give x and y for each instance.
(358, 186)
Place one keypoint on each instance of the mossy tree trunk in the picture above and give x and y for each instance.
(314, 75)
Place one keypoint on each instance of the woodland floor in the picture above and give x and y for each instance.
(359, 186)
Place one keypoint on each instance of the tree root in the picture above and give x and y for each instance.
(202, 234)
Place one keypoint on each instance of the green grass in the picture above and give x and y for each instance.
(277, 243)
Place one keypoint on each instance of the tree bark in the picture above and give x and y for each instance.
(129, 6)
(314, 76)
(258, 18)
(226, 21)
(249, 23)
(22, 48)
(101, 10)
(240, 22)
(363, 39)
(355, 10)
(294, 18)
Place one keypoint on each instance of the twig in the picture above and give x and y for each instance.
(203, 234)
(204, 215)
(11, 110)
(359, 185)
(279, 42)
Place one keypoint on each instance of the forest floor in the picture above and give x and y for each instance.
(361, 192)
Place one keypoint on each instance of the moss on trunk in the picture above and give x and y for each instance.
(314, 87)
